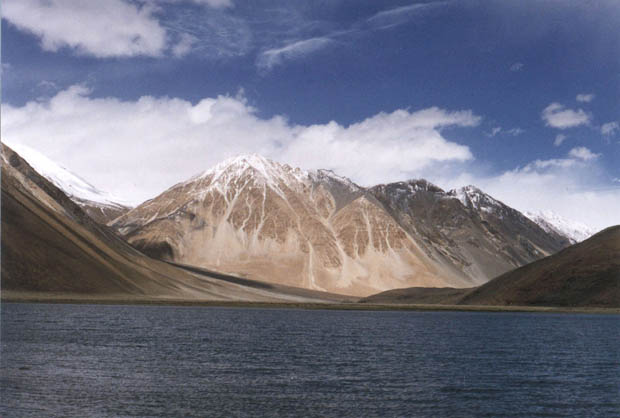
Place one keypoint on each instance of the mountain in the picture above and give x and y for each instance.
(467, 228)
(554, 223)
(268, 221)
(101, 206)
(52, 248)
(317, 230)
(584, 274)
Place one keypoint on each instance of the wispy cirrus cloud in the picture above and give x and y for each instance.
(397, 16)
(295, 50)
(300, 48)
(558, 116)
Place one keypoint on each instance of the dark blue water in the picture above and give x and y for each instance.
(83, 361)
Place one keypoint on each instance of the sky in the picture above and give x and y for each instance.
(520, 98)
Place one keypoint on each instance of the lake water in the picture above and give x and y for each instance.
(88, 360)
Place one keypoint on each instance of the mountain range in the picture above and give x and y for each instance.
(260, 219)
(291, 235)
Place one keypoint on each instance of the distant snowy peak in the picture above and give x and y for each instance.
(552, 222)
(78, 189)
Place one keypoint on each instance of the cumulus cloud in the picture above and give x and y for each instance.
(610, 128)
(111, 28)
(585, 98)
(557, 116)
(559, 139)
(276, 56)
(583, 153)
(136, 149)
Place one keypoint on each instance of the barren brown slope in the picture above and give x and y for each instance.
(49, 245)
(585, 274)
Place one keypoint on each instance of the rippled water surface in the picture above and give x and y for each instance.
(88, 360)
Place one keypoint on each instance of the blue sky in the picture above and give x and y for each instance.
(519, 97)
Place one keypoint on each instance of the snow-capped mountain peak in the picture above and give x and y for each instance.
(472, 197)
(73, 185)
(262, 169)
(552, 222)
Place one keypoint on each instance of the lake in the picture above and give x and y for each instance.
(96, 360)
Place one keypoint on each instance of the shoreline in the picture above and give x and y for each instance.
(343, 306)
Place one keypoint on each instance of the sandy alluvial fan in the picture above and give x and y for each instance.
(317, 230)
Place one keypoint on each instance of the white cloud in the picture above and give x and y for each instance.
(583, 153)
(610, 128)
(517, 66)
(585, 98)
(136, 149)
(557, 116)
(110, 28)
(559, 139)
(276, 56)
